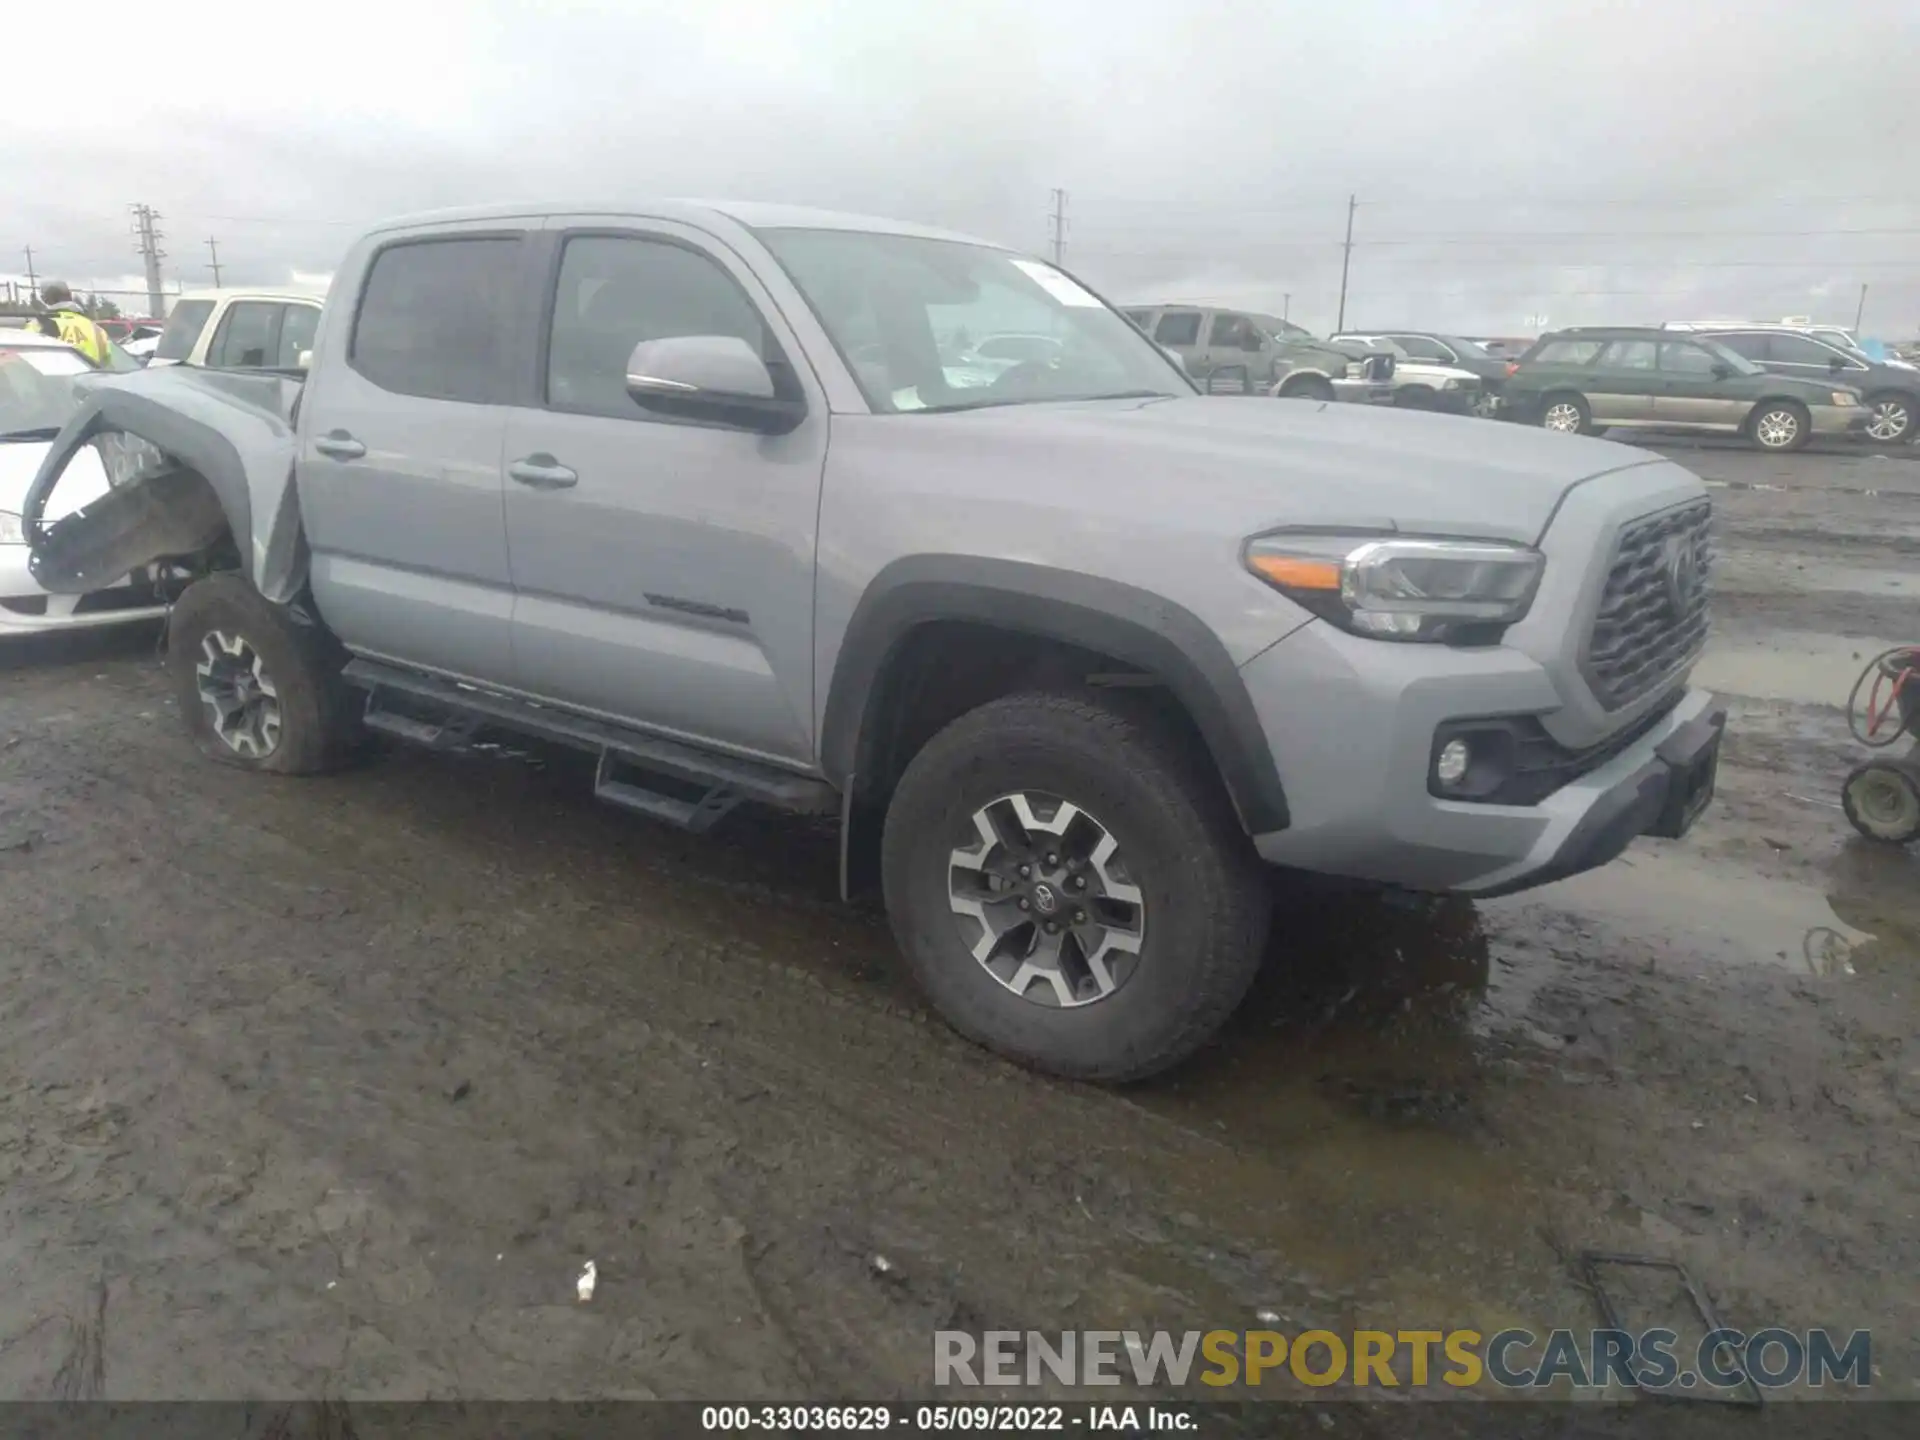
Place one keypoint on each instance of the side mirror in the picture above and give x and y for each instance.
(715, 378)
(1722, 370)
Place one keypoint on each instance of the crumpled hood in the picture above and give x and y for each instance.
(1244, 465)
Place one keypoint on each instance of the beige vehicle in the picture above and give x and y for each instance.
(1240, 352)
(238, 329)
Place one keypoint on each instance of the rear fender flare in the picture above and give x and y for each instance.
(1132, 625)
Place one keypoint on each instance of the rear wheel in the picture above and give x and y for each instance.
(1780, 425)
(1882, 800)
(1566, 413)
(1069, 885)
(258, 685)
(1892, 418)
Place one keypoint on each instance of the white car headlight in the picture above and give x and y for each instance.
(11, 531)
(1401, 589)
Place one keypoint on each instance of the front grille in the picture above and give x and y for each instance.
(1652, 618)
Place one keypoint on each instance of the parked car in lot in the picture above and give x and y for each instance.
(1076, 650)
(1452, 352)
(239, 329)
(1891, 392)
(1591, 379)
(1422, 384)
(1237, 352)
(37, 397)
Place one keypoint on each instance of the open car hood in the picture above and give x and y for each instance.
(190, 455)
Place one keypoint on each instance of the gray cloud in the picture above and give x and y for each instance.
(1583, 161)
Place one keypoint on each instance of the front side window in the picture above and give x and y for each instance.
(245, 337)
(297, 326)
(435, 318)
(1233, 332)
(616, 291)
(1684, 359)
(1799, 350)
(887, 299)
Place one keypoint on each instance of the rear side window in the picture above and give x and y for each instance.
(183, 329)
(1178, 327)
(1566, 352)
(245, 337)
(435, 319)
(297, 327)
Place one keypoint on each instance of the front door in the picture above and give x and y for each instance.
(663, 569)
(399, 463)
(1231, 354)
(1699, 388)
(1622, 385)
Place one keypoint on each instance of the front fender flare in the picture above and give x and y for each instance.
(1110, 617)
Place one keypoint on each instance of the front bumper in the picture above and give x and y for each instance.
(1456, 402)
(26, 609)
(1364, 392)
(1840, 419)
(1351, 723)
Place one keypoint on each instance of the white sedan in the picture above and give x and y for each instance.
(36, 398)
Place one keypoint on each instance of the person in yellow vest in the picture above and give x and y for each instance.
(65, 320)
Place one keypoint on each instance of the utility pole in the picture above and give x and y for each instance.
(1286, 306)
(213, 249)
(1859, 311)
(148, 233)
(1346, 260)
(1058, 220)
(33, 280)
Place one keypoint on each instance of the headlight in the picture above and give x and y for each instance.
(1450, 383)
(1395, 589)
(11, 532)
(1844, 397)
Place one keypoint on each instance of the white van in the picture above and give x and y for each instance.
(240, 329)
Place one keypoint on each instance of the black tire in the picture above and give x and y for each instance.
(1206, 902)
(1788, 417)
(1582, 412)
(1882, 801)
(317, 723)
(1901, 412)
(1306, 387)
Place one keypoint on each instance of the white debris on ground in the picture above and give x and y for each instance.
(584, 1285)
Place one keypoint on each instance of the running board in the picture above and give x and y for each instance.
(677, 784)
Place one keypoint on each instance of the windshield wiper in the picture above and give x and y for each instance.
(37, 432)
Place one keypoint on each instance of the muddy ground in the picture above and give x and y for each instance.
(331, 1087)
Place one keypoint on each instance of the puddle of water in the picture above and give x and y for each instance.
(1703, 912)
(1802, 666)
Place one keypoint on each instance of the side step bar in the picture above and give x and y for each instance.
(677, 784)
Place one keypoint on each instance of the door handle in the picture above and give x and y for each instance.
(339, 445)
(542, 472)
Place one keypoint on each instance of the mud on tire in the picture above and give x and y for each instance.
(1132, 777)
(258, 684)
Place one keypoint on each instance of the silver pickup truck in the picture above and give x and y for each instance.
(1071, 652)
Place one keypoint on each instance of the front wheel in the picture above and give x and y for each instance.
(1781, 425)
(1892, 418)
(1069, 885)
(258, 685)
(1567, 414)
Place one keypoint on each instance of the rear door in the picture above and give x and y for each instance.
(663, 568)
(1698, 388)
(399, 461)
(1623, 383)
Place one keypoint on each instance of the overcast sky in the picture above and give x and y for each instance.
(1546, 161)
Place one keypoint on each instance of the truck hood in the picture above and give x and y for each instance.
(1247, 465)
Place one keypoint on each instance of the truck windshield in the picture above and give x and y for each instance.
(896, 306)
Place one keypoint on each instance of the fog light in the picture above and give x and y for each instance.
(1450, 766)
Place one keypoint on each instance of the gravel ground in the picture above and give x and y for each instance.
(331, 1087)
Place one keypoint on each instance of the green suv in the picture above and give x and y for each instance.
(1588, 380)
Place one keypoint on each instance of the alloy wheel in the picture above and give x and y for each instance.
(234, 686)
(1891, 420)
(1045, 902)
(1564, 417)
(1777, 429)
